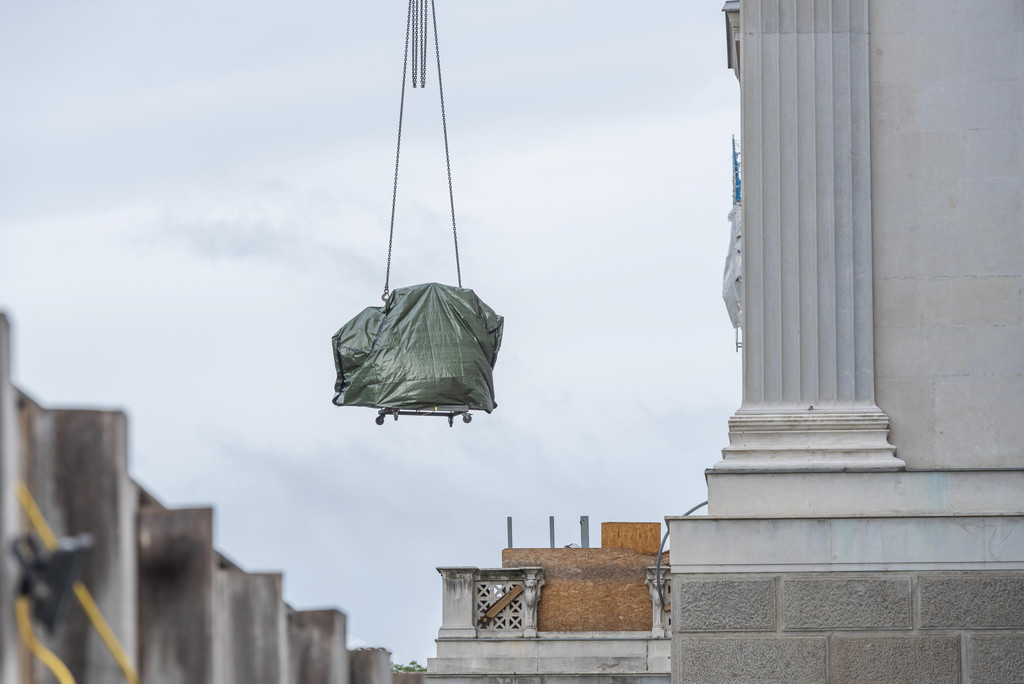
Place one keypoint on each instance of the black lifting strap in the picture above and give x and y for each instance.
(416, 27)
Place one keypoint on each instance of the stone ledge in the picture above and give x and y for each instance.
(727, 545)
(777, 494)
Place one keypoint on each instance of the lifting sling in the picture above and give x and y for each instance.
(431, 348)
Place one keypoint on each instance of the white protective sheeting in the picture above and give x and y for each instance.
(732, 281)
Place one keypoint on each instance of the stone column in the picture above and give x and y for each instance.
(457, 603)
(808, 359)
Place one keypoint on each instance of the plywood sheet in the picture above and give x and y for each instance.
(641, 537)
(590, 589)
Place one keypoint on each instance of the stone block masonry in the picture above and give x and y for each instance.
(995, 658)
(902, 658)
(724, 605)
(751, 660)
(846, 603)
(976, 602)
(849, 627)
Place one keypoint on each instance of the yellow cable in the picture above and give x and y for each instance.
(92, 611)
(107, 634)
(22, 606)
(35, 516)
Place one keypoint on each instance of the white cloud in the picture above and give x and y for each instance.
(189, 209)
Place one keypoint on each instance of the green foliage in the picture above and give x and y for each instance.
(413, 666)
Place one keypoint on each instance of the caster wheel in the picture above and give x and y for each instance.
(379, 420)
(466, 418)
(451, 421)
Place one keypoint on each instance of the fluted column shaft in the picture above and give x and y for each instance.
(808, 322)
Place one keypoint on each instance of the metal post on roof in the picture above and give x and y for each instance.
(584, 531)
(509, 533)
(551, 529)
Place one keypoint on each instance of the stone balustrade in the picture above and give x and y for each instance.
(469, 593)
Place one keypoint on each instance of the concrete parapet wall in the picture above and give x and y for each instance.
(408, 677)
(316, 647)
(182, 612)
(370, 666)
(176, 565)
(250, 629)
(75, 464)
(8, 507)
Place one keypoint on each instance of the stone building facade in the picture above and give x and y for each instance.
(866, 521)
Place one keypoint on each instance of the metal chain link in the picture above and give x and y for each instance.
(398, 154)
(416, 21)
(447, 156)
(419, 43)
(415, 9)
(423, 44)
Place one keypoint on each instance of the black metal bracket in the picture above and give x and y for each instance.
(449, 412)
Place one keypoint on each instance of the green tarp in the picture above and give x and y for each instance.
(429, 345)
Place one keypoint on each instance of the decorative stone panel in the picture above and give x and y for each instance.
(995, 658)
(846, 603)
(708, 605)
(488, 592)
(976, 600)
(661, 601)
(750, 660)
(495, 602)
(904, 659)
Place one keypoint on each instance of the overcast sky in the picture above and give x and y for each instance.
(195, 196)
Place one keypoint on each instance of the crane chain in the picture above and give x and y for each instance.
(416, 32)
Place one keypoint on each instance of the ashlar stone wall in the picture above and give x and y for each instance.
(849, 628)
(947, 207)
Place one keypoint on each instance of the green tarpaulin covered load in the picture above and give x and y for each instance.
(429, 345)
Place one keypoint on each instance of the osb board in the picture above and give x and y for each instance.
(641, 537)
(590, 589)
